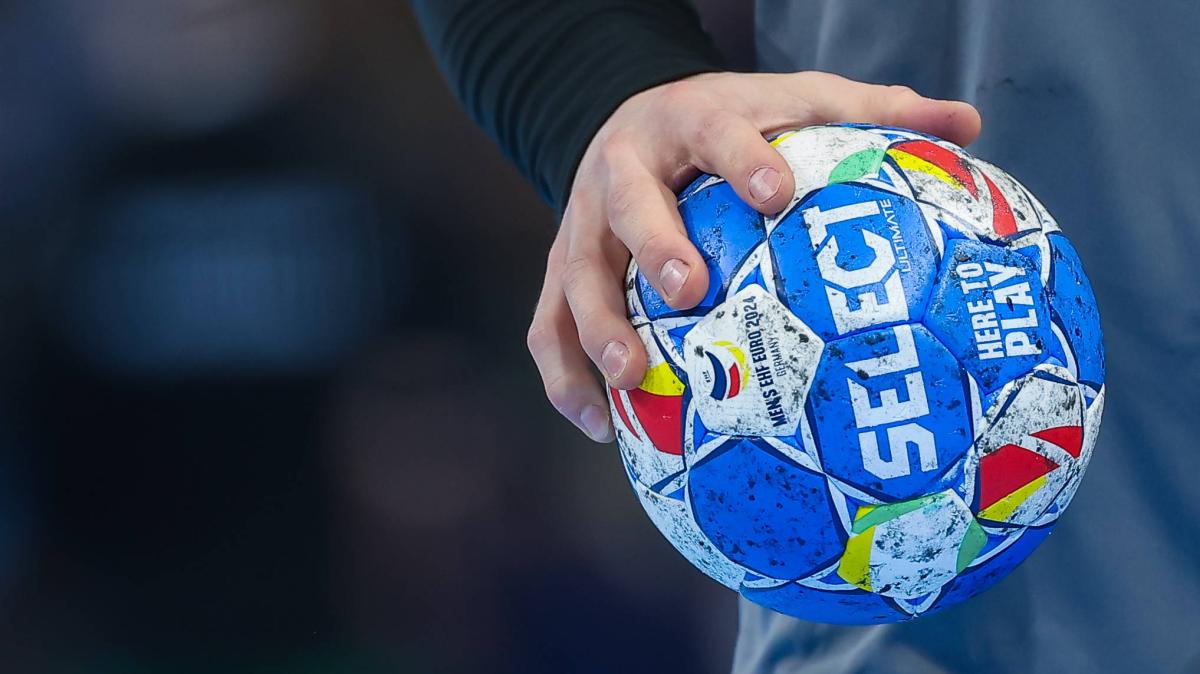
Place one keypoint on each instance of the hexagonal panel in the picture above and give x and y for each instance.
(1030, 448)
(911, 548)
(989, 309)
(764, 511)
(890, 413)
(851, 257)
(725, 230)
(750, 363)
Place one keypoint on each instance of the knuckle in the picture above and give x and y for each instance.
(890, 99)
(621, 200)
(615, 146)
(574, 272)
(538, 338)
(560, 389)
(758, 154)
(711, 128)
(678, 94)
(582, 184)
(554, 254)
(812, 78)
(589, 321)
(651, 248)
(575, 202)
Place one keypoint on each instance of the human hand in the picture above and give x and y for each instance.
(623, 200)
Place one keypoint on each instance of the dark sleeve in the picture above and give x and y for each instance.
(541, 77)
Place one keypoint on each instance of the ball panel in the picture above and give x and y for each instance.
(891, 413)
(989, 308)
(911, 548)
(1031, 447)
(764, 511)
(750, 362)
(674, 520)
(851, 257)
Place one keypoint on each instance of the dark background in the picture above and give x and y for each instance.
(264, 399)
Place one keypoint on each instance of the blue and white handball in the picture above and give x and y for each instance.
(889, 394)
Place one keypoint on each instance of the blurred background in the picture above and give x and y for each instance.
(264, 399)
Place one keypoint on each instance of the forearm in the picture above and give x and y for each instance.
(541, 77)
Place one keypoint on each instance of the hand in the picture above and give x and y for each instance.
(623, 200)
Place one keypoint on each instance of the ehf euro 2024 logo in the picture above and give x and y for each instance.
(729, 371)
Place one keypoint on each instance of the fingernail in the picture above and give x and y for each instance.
(673, 275)
(614, 358)
(595, 421)
(764, 183)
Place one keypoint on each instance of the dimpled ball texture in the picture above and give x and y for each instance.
(890, 392)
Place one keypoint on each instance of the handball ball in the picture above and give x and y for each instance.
(887, 397)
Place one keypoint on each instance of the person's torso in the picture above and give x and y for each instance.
(1093, 106)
